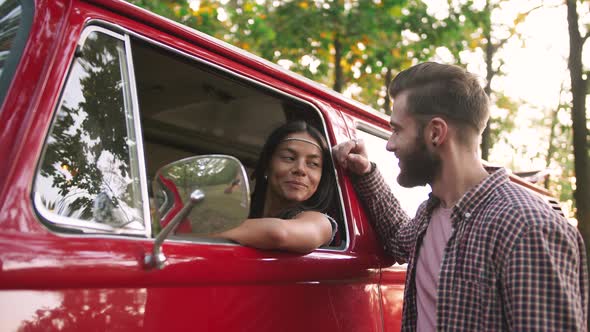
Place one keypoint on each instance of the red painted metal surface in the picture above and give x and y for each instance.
(63, 282)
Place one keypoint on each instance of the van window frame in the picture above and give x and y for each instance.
(65, 224)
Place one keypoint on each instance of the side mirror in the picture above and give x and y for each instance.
(198, 196)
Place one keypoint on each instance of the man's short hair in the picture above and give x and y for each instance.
(446, 91)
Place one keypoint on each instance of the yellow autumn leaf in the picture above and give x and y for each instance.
(520, 18)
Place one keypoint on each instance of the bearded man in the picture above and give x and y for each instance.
(483, 254)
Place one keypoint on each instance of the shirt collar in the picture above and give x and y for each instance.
(474, 197)
(471, 200)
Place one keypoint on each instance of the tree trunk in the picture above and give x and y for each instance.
(338, 74)
(551, 147)
(551, 144)
(579, 127)
(486, 139)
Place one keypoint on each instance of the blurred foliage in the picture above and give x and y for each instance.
(489, 33)
(356, 45)
(561, 159)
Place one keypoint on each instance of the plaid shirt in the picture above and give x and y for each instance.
(512, 263)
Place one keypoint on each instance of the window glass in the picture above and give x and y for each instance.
(10, 19)
(409, 198)
(88, 174)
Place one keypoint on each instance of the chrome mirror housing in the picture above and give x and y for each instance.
(197, 196)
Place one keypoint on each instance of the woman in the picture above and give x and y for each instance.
(294, 187)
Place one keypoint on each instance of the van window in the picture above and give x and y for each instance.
(375, 141)
(179, 105)
(89, 172)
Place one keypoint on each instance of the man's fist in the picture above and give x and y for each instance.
(352, 156)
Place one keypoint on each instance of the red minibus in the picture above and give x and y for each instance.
(104, 107)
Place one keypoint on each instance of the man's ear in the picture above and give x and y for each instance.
(438, 131)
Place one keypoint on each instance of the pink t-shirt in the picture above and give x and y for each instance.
(428, 266)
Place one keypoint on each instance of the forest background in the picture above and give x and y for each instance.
(530, 55)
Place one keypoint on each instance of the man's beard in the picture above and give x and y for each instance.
(419, 166)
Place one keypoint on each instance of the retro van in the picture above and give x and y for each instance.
(126, 138)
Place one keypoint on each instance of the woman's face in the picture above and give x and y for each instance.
(295, 171)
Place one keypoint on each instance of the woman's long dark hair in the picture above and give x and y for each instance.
(320, 200)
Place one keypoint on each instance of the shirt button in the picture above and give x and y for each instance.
(467, 215)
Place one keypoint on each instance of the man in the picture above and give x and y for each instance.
(483, 254)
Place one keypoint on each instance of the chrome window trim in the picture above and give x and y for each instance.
(94, 28)
(79, 224)
(341, 203)
(147, 217)
(164, 204)
(372, 129)
(67, 222)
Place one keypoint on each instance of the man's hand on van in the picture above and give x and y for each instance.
(352, 156)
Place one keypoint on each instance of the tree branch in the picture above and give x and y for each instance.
(513, 31)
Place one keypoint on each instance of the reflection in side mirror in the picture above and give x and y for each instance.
(198, 196)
